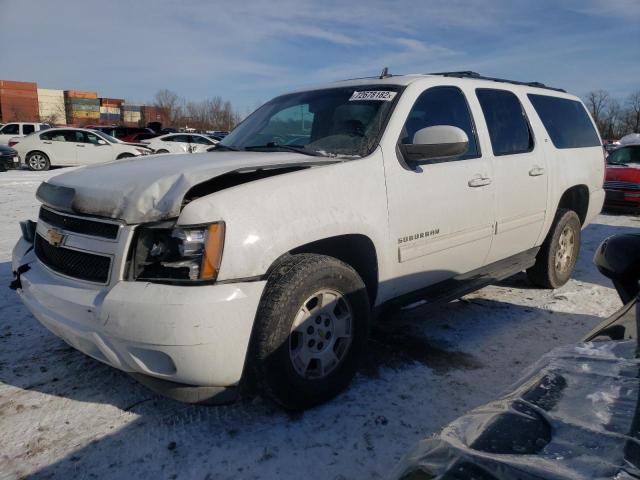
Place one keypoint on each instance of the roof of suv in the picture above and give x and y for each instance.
(404, 80)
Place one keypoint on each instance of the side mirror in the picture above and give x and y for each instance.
(439, 142)
(102, 142)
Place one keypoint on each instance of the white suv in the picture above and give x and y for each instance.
(19, 129)
(260, 263)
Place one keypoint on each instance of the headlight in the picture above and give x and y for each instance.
(143, 151)
(178, 253)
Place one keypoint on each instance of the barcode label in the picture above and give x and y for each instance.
(379, 95)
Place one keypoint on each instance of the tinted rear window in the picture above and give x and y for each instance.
(507, 123)
(566, 121)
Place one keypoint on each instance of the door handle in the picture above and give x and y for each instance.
(80, 145)
(479, 181)
(48, 143)
(536, 171)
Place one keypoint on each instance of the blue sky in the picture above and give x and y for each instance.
(249, 51)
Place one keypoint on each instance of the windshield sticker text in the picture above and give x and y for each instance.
(379, 95)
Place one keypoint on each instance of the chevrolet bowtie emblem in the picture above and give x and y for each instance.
(55, 238)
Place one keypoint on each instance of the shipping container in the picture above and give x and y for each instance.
(115, 102)
(30, 86)
(51, 106)
(83, 101)
(80, 114)
(80, 94)
(19, 101)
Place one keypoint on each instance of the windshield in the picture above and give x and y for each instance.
(625, 155)
(107, 137)
(344, 122)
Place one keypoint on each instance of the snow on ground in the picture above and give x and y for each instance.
(64, 415)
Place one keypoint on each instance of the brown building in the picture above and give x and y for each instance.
(19, 101)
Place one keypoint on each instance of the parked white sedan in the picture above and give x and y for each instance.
(72, 146)
(180, 143)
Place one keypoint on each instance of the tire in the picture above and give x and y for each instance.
(557, 258)
(287, 337)
(162, 151)
(37, 161)
(125, 155)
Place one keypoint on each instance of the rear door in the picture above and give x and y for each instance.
(520, 173)
(59, 145)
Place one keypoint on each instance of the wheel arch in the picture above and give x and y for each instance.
(576, 198)
(356, 250)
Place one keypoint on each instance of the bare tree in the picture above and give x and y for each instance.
(632, 122)
(170, 104)
(597, 102)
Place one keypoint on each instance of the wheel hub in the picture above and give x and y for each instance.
(565, 249)
(321, 334)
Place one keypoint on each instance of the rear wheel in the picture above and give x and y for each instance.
(125, 155)
(311, 327)
(557, 258)
(38, 161)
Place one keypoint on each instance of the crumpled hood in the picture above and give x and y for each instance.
(151, 188)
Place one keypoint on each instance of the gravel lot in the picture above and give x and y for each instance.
(65, 415)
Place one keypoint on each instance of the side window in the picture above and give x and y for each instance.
(11, 129)
(92, 138)
(442, 106)
(28, 129)
(197, 139)
(74, 136)
(55, 136)
(506, 120)
(566, 121)
(179, 138)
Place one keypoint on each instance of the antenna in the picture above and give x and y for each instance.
(385, 73)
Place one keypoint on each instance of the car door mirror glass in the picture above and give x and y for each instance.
(439, 142)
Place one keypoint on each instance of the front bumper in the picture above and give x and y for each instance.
(9, 162)
(193, 335)
(622, 200)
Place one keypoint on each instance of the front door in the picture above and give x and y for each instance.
(441, 214)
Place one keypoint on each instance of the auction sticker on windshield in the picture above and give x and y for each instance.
(380, 95)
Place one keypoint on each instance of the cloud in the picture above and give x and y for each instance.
(252, 50)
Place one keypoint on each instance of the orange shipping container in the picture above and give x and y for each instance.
(80, 94)
(9, 92)
(31, 86)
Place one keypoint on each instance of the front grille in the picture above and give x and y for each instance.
(85, 266)
(619, 185)
(80, 225)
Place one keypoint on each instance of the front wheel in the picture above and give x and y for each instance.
(38, 161)
(125, 155)
(311, 328)
(162, 150)
(557, 258)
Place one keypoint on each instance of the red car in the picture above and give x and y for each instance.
(136, 137)
(622, 183)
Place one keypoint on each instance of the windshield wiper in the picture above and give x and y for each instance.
(287, 148)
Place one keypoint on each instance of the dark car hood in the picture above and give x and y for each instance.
(152, 188)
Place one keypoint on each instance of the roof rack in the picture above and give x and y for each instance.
(477, 76)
